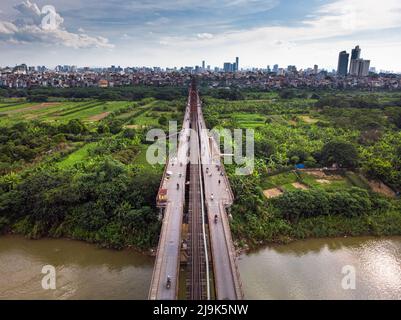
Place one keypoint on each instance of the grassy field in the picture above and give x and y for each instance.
(89, 111)
(290, 181)
(247, 120)
(81, 154)
(137, 115)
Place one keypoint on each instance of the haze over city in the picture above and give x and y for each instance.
(181, 32)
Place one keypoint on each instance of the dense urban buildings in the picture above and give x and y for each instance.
(354, 74)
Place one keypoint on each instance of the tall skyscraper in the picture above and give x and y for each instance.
(203, 64)
(237, 64)
(354, 67)
(354, 64)
(228, 67)
(315, 69)
(356, 53)
(342, 67)
(364, 68)
(359, 67)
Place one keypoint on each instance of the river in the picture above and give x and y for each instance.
(310, 269)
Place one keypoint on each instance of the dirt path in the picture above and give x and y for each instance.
(323, 181)
(380, 187)
(33, 108)
(298, 185)
(99, 117)
(272, 193)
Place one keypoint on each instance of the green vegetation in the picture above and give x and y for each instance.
(355, 133)
(73, 162)
(79, 170)
(106, 94)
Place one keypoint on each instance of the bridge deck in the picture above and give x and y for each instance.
(227, 281)
(168, 252)
(226, 275)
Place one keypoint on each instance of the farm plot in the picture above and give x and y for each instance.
(275, 185)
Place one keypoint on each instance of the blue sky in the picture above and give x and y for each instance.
(185, 32)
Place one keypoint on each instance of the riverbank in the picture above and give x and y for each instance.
(150, 252)
(251, 235)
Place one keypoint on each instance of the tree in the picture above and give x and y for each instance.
(116, 125)
(287, 94)
(37, 98)
(344, 154)
(74, 126)
(103, 128)
(129, 133)
(263, 148)
(163, 121)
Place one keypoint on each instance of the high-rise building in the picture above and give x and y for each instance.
(275, 68)
(203, 64)
(359, 67)
(315, 69)
(342, 67)
(356, 53)
(354, 67)
(236, 64)
(292, 69)
(228, 67)
(364, 68)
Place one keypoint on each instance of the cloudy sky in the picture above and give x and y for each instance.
(185, 32)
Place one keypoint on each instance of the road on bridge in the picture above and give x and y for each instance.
(217, 198)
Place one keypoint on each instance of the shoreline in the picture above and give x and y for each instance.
(239, 250)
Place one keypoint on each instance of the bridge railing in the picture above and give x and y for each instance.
(232, 252)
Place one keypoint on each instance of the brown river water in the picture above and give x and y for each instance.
(310, 269)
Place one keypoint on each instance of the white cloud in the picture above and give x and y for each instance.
(7, 28)
(166, 5)
(204, 36)
(158, 22)
(28, 28)
(319, 38)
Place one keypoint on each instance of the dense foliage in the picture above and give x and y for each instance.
(117, 93)
(357, 132)
(72, 176)
(102, 201)
(82, 179)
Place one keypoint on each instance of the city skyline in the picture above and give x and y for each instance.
(183, 33)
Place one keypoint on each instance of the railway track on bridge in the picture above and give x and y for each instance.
(198, 279)
(208, 241)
